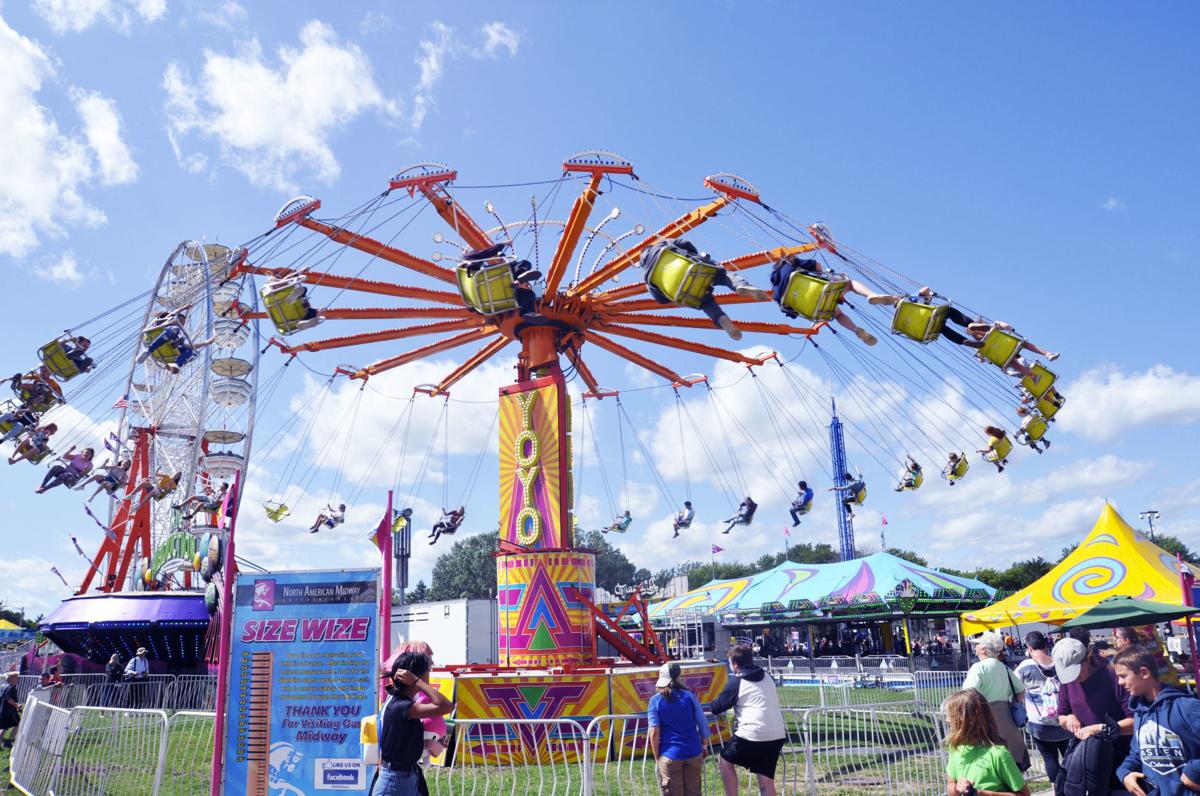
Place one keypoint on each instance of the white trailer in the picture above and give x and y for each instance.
(459, 631)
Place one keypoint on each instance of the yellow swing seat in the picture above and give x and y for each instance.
(683, 280)
(167, 353)
(958, 470)
(5, 408)
(804, 509)
(861, 497)
(917, 480)
(276, 511)
(1049, 403)
(998, 449)
(39, 407)
(815, 297)
(39, 456)
(1032, 430)
(288, 308)
(1039, 380)
(488, 289)
(54, 356)
(1000, 347)
(919, 321)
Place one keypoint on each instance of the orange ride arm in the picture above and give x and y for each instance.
(580, 211)
(613, 347)
(380, 313)
(361, 285)
(389, 334)
(381, 250)
(701, 322)
(420, 353)
(474, 361)
(641, 305)
(688, 221)
(750, 260)
(455, 216)
(680, 344)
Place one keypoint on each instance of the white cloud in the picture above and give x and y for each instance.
(440, 46)
(102, 127)
(30, 585)
(498, 36)
(1105, 402)
(1113, 203)
(374, 22)
(42, 169)
(61, 271)
(274, 122)
(227, 15)
(996, 537)
(76, 16)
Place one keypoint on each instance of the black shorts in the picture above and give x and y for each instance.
(760, 757)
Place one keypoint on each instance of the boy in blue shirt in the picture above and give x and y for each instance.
(1165, 753)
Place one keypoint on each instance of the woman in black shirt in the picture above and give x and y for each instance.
(401, 736)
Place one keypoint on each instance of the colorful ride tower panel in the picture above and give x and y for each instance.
(542, 621)
(631, 692)
(535, 464)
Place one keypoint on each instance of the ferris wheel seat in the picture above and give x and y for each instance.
(1033, 429)
(814, 296)
(1049, 403)
(1000, 347)
(684, 280)
(919, 321)
(55, 357)
(288, 307)
(228, 333)
(488, 289)
(222, 464)
(276, 511)
(1039, 380)
(229, 391)
(957, 470)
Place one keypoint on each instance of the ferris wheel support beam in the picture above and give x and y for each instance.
(378, 249)
(681, 344)
(424, 351)
(751, 260)
(358, 285)
(686, 222)
(613, 347)
(379, 337)
(576, 222)
(472, 362)
(704, 323)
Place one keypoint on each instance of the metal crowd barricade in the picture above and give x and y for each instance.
(39, 746)
(187, 754)
(802, 689)
(525, 757)
(619, 762)
(191, 692)
(933, 687)
(130, 694)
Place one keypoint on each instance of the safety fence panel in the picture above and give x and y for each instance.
(191, 692)
(39, 746)
(868, 751)
(521, 757)
(131, 695)
(186, 764)
(807, 690)
(619, 760)
(111, 751)
(934, 686)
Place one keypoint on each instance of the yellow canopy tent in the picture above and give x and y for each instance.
(1113, 559)
(7, 625)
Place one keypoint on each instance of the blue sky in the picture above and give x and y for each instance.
(1034, 162)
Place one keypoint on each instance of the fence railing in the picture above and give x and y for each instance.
(157, 692)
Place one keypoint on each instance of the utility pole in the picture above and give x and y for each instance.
(1150, 515)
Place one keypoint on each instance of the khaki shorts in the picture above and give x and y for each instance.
(680, 777)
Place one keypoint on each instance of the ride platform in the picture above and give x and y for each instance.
(171, 625)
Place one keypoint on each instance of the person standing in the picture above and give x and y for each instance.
(678, 732)
(401, 736)
(137, 673)
(1002, 688)
(760, 733)
(1041, 703)
(10, 709)
(979, 760)
(1164, 755)
(1090, 696)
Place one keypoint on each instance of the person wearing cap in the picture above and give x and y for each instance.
(138, 667)
(1001, 687)
(678, 732)
(1089, 695)
(760, 733)
(401, 736)
(10, 709)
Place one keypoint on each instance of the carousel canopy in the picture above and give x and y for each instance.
(1113, 560)
(816, 590)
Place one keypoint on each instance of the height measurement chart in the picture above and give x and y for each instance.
(302, 674)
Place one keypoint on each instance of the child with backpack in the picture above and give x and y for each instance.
(1164, 757)
(980, 763)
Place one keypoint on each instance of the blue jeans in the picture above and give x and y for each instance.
(396, 783)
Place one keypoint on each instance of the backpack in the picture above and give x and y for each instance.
(1088, 765)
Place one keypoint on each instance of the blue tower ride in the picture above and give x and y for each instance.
(837, 444)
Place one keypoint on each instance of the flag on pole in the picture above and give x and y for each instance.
(60, 576)
(122, 402)
(376, 534)
(109, 532)
(79, 549)
(716, 549)
(884, 517)
(787, 531)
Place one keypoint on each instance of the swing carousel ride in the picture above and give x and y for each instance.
(919, 379)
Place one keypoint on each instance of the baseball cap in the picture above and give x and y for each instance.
(1069, 655)
(666, 674)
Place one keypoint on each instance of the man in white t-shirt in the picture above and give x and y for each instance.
(760, 733)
